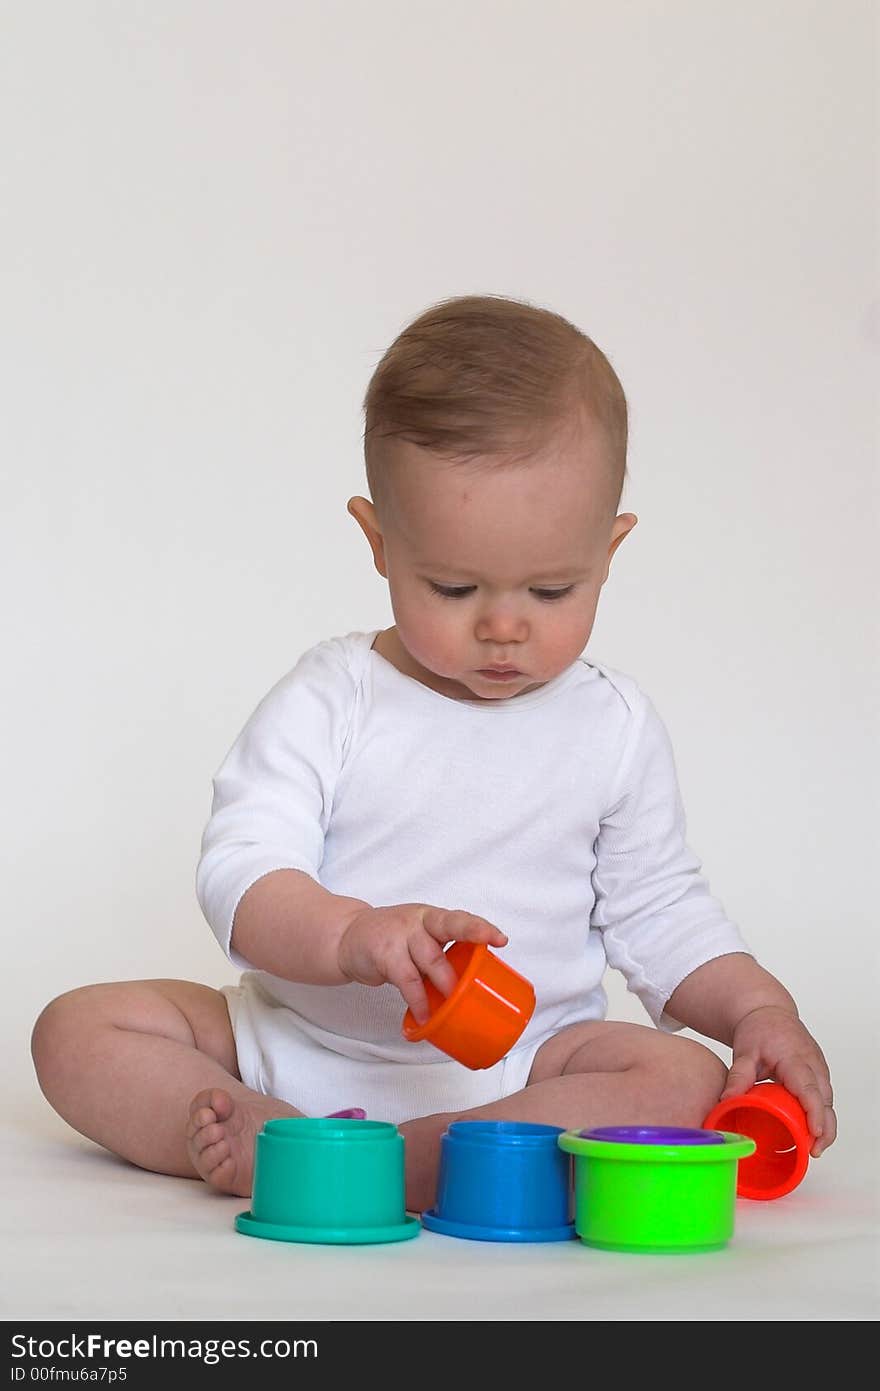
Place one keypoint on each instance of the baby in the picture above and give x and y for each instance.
(466, 774)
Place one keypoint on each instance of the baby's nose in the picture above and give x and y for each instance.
(502, 624)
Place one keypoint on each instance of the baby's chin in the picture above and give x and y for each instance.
(498, 688)
(467, 684)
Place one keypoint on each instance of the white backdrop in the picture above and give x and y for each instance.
(217, 215)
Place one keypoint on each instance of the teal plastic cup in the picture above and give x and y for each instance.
(328, 1180)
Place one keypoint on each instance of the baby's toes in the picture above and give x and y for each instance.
(204, 1136)
(202, 1101)
(218, 1101)
(198, 1120)
(214, 1156)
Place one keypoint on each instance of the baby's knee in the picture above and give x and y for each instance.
(59, 1028)
(693, 1080)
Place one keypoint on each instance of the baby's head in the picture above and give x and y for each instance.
(495, 446)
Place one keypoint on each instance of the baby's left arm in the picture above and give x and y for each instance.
(734, 1000)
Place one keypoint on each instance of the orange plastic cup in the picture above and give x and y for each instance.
(776, 1121)
(485, 1014)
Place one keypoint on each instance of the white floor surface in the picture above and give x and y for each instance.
(87, 1235)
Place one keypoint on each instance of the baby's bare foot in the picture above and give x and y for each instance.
(221, 1133)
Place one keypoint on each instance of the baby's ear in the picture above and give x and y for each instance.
(623, 525)
(364, 514)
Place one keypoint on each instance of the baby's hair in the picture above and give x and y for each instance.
(484, 375)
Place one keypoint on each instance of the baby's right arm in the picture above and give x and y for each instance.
(269, 817)
(287, 924)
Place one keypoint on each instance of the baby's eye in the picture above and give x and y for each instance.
(449, 591)
(551, 594)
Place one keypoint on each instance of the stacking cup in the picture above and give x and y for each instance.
(656, 1189)
(777, 1123)
(502, 1181)
(485, 1014)
(333, 1180)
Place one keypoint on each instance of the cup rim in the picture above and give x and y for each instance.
(770, 1099)
(734, 1147)
(418, 1033)
(490, 1134)
(320, 1129)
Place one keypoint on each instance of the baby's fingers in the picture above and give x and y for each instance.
(814, 1095)
(828, 1135)
(430, 959)
(742, 1074)
(454, 925)
(412, 988)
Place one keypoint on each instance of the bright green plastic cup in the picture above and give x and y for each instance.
(660, 1198)
(328, 1180)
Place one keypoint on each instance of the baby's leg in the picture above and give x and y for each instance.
(148, 1069)
(600, 1073)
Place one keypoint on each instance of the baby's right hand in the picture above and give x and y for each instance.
(400, 944)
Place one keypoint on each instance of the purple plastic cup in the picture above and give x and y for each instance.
(653, 1135)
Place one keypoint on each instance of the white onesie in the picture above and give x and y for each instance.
(555, 814)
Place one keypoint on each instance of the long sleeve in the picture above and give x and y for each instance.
(273, 794)
(658, 919)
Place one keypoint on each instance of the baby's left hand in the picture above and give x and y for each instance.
(771, 1042)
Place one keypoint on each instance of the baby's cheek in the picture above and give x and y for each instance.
(436, 642)
(567, 636)
(437, 648)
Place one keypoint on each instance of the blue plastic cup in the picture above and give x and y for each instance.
(502, 1181)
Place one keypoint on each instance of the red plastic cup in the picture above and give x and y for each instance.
(485, 1014)
(776, 1121)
